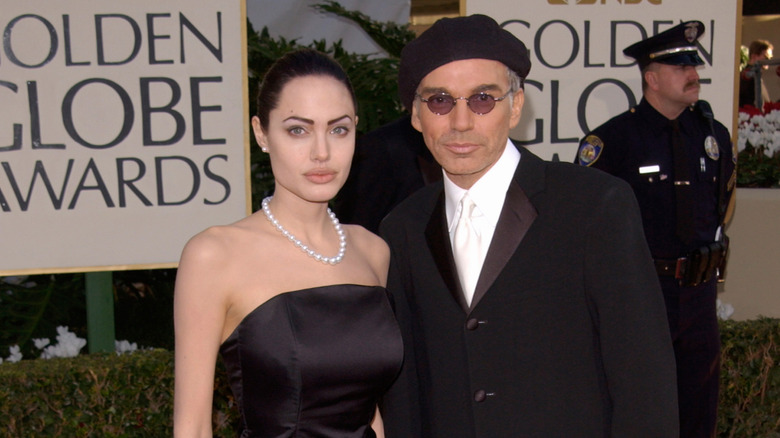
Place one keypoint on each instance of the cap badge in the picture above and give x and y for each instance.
(691, 31)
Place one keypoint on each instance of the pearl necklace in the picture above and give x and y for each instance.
(310, 252)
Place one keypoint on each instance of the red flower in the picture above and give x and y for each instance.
(753, 111)
(771, 106)
(750, 110)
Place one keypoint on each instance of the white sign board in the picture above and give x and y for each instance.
(579, 76)
(123, 130)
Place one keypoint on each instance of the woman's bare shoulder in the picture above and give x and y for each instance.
(219, 243)
(365, 238)
(370, 247)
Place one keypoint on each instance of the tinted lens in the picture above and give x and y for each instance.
(441, 104)
(481, 103)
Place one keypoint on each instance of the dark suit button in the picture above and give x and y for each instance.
(472, 324)
(480, 396)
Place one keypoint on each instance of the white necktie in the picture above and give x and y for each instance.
(466, 249)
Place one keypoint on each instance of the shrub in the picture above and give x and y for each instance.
(105, 395)
(750, 379)
(99, 395)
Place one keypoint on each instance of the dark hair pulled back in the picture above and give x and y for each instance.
(296, 64)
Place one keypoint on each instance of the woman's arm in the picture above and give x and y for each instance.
(377, 425)
(373, 249)
(199, 316)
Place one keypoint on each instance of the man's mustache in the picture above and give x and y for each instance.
(691, 84)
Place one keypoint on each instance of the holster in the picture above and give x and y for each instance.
(699, 266)
(705, 263)
(721, 270)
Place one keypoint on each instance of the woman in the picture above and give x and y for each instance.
(294, 301)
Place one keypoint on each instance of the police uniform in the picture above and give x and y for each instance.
(637, 146)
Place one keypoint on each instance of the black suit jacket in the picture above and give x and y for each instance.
(566, 335)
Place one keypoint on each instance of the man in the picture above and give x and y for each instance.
(759, 50)
(536, 312)
(680, 163)
(390, 163)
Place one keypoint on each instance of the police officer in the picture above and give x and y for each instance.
(681, 165)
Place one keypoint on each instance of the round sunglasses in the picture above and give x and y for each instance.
(480, 103)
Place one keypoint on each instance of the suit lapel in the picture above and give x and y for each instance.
(517, 215)
(516, 218)
(438, 238)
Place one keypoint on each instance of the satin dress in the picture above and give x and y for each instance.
(314, 362)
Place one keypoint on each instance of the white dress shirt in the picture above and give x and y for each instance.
(488, 193)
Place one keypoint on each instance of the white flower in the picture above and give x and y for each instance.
(15, 356)
(774, 141)
(18, 280)
(124, 347)
(14, 279)
(756, 138)
(725, 310)
(741, 143)
(761, 131)
(68, 345)
(40, 343)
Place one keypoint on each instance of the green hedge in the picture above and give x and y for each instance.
(104, 395)
(750, 379)
(99, 395)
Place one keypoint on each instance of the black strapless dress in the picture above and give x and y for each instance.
(313, 363)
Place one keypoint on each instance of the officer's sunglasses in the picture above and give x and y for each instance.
(480, 103)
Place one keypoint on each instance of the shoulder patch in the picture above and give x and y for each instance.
(732, 181)
(590, 150)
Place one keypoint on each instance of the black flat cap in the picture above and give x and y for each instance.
(675, 46)
(453, 39)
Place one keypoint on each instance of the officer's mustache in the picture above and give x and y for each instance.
(692, 84)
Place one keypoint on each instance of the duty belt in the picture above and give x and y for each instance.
(698, 267)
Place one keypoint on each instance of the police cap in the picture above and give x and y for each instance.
(454, 39)
(675, 46)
